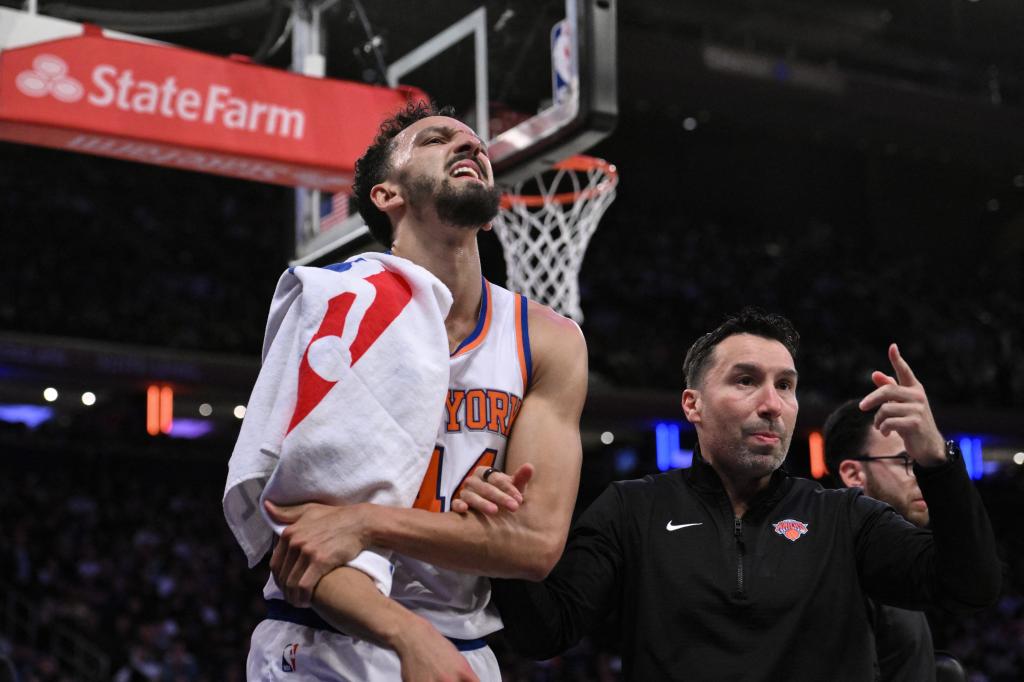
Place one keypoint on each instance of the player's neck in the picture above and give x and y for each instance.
(451, 255)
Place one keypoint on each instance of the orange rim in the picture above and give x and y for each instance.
(578, 163)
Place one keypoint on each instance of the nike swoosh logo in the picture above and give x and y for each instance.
(670, 527)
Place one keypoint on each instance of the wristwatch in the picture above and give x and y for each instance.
(953, 453)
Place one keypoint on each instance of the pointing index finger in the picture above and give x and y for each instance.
(904, 374)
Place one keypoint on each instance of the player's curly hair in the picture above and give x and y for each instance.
(750, 320)
(374, 166)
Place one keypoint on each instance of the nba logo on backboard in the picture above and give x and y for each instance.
(562, 55)
(288, 658)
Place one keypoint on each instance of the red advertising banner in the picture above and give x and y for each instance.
(170, 106)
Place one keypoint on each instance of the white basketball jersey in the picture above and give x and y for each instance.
(490, 371)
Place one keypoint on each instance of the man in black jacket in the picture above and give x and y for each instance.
(734, 570)
(858, 455)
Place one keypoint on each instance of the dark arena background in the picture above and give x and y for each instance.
(855, 165)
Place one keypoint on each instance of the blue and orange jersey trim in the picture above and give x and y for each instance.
(523, 339)
(483, 323)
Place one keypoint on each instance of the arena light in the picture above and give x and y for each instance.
(159, 409)
(29, 415)
(153, 410)
(970, 447)
(190, 428)
(88, 398)
(239, 411)
(625, 461)
(166, 409)
(50, 394)
(816, 446)
(669, 454)
(607, 437)
(666, 441)
(206, 409)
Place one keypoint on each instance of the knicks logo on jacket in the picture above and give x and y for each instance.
(481, 409)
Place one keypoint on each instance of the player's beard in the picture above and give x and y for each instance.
(466, 204)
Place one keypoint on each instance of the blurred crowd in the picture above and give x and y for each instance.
(149, 257)
(848, 296)
(101, 254)
(132, 554)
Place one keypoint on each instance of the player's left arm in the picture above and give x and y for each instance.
(526, 544)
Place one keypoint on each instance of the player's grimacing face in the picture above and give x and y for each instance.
(442, 147)
(747, 405)
(440, 161)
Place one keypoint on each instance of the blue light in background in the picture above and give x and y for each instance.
(666, 441)
(625, 461)
(669, 454)
(190, 428)
(970, 446)
(682, 459)
(29, 415)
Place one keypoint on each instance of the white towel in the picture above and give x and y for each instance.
(348, 399)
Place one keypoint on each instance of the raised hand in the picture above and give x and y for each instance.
(318, 539)
(499, 491)
(903, 408)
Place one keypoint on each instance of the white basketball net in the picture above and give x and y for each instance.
(544, 244)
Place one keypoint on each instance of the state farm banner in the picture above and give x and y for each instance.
(166, 105)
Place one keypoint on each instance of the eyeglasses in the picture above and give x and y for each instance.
(908, 463)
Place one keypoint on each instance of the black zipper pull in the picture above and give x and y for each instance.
(738, 533)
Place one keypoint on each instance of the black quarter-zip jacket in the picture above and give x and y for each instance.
(775, 595)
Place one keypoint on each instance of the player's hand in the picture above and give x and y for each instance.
(499, 491)
(318, 539)
(903, 408)
(427, 656)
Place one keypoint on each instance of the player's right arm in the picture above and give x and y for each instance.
(348, 599)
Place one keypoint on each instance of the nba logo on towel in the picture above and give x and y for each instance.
(791, 529)
(288, 658)
(325, 355)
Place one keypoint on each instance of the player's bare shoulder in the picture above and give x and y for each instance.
(557, 345)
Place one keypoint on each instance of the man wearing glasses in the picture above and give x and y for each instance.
(859, 455)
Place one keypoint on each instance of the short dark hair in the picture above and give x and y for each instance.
(846, 435)
(374, 166)
(749, 321)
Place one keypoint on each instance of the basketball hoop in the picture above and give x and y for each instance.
(545, 224)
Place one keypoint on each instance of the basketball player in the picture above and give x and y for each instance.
(860, 456)
(518, 382)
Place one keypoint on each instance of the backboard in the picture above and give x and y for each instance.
(536, 78)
